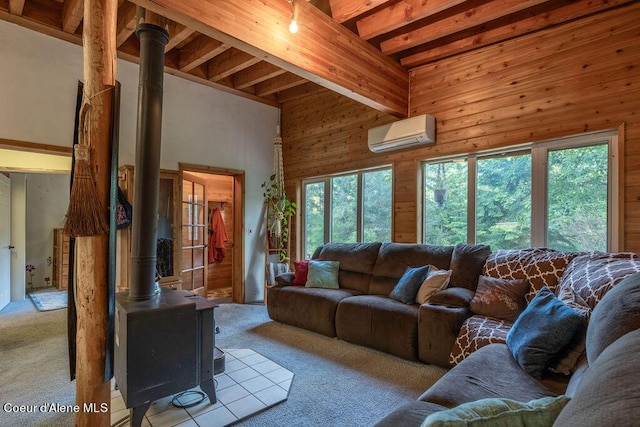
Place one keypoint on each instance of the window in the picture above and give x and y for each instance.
(558, 194)
(349, 208)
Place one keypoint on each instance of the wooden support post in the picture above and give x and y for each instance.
(92, 253)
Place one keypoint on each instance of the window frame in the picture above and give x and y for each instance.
(327, 180)
(539, 180)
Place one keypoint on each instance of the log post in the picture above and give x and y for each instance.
(99, 49)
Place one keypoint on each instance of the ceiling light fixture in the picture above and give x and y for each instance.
(293, 26)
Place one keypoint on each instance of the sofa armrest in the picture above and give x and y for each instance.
(438, 328)
(285, 279)
(452, 297)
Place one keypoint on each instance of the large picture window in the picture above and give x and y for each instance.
(559, 194)
(349, 208)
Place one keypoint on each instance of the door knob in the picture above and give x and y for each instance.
(11, 247)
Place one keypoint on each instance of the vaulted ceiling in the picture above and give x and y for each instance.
(363, 49)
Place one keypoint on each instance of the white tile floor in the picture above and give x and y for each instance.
(250, 383)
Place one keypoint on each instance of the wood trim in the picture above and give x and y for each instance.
(622, 135)
(35, 147)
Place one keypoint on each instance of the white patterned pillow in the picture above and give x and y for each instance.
(476, 332)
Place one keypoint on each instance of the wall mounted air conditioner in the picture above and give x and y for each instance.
(418, 130)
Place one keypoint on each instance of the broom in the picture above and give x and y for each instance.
(85, 215)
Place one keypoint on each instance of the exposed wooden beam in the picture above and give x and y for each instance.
(256, 74)
(200, 50)
(230, 62)
(72, 11)
(343, 10)
(297, 92)
(126, 22)
(400, 14)
(16, 7)
(562, 14)
(316, 52)
(276, 84)
(461, 21)
(177, 34)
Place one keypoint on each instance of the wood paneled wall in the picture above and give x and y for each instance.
(578, 77)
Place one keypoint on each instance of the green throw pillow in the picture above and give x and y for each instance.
(500, 413)
(323, 274)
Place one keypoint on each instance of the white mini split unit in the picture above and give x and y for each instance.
(418, 130)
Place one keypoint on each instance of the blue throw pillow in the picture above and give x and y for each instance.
(543, 329)
(407, 287)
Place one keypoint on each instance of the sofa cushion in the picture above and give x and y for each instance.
(309, 308)
(452, 297)
(617, 314)
(477, 332)
(609, 393)
(542, 331)
(410, 415)
(323, 274)
(435, 281)
(489, 372)
(407, 287)
(499, 298)
(467, 262)
(500, 412)
(357, 261)
(394, 258)
(381, 323)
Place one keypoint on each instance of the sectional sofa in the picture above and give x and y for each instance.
(453, 330)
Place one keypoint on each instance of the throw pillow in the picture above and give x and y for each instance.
(301, 269)
(435, 281)
(543, 329)
(497, 412)
(275, 269)
(407, 287)
(499, 298)
(323, 274)
(467, 262)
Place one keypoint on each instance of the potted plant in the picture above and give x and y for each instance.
(279, 211)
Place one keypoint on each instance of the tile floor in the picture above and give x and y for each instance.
(250, 383)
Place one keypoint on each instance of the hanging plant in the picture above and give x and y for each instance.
(280, 210)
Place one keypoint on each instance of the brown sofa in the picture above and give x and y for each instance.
(604, 390)
(360, 311)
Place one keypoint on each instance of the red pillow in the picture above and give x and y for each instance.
(301, 270)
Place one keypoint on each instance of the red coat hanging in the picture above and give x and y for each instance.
(217, 237)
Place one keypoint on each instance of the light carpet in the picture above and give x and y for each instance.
(47, 301)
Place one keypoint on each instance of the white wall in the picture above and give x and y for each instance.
(47, 202)
(201, 125)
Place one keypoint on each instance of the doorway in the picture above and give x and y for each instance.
(212, 202)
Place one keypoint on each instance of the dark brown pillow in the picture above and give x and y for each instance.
(466, 265)
(499, 298)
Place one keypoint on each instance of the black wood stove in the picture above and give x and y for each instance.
(164, 338)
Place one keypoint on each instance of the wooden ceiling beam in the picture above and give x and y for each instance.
(343, 10)
(562, 14)
(464, 20)
(316, 52)
(297, 92)
(198, 51)
(72, 13)
(256, 74)
(277, 84)
(230, 62)
(400, 14)
(126, 22)
(177, 34)
(16, 7)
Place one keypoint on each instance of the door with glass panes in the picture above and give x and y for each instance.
(194, 234)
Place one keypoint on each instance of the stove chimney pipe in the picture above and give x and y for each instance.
(153, 39)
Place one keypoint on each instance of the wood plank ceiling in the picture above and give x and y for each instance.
(408, 32)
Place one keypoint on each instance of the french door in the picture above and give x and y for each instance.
(194, 234)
